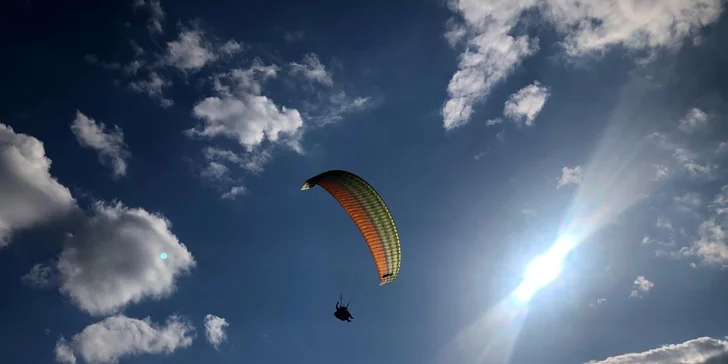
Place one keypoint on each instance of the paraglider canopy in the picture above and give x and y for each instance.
(370, 214)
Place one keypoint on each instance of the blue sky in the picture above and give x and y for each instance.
(492, 129)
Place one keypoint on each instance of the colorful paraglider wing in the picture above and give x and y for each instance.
(370, 214)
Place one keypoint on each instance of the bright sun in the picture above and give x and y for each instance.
(543, 269)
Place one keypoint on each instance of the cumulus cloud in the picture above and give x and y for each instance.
(109, 144)
(492, 50)
(119, 337)
(30, 195)
(527, 103)
(250, 119)
(190, 51)
(239, 111)
(113, 260)
(312, 69)
(695, 119)
(64, 352)
(570, 176)
(704, 350)
(215, 330)
(39, 276)
(641, 285)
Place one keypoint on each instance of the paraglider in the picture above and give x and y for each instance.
(342, 311)
(368, 211)
(371, 216)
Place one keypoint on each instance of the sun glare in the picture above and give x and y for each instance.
(543, 269)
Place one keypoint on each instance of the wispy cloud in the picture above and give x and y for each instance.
(491, 122)
(156, 14)
(40, 276)
(109, 144)
(312, 69)
(153, 87)
(694, 120)
(234, 193)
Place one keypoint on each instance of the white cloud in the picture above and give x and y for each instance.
(491, 122)
(712, 245)
(687, 159)
(249, 119)
(153, 87)
(156, 14)
(527, 103)
(231, 47)
(455, 33)
(240, 112)
(252, 162)
(64, 352)
(30, 195)
(215, 330)
(529, 212)
(215, 171)
(118, 337)
(631, 24)
(641, 285)
(39, 276)
(234, 193)
(109, 144)
(688, 202)
(490, 57)
(720, 201)
(338, 105)
(664, 223)
(704, 350)
(192, 51)
(113, 259)
(661, 172)
(570, 176)
(588, 27)
(694, 120)
(312, 69)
